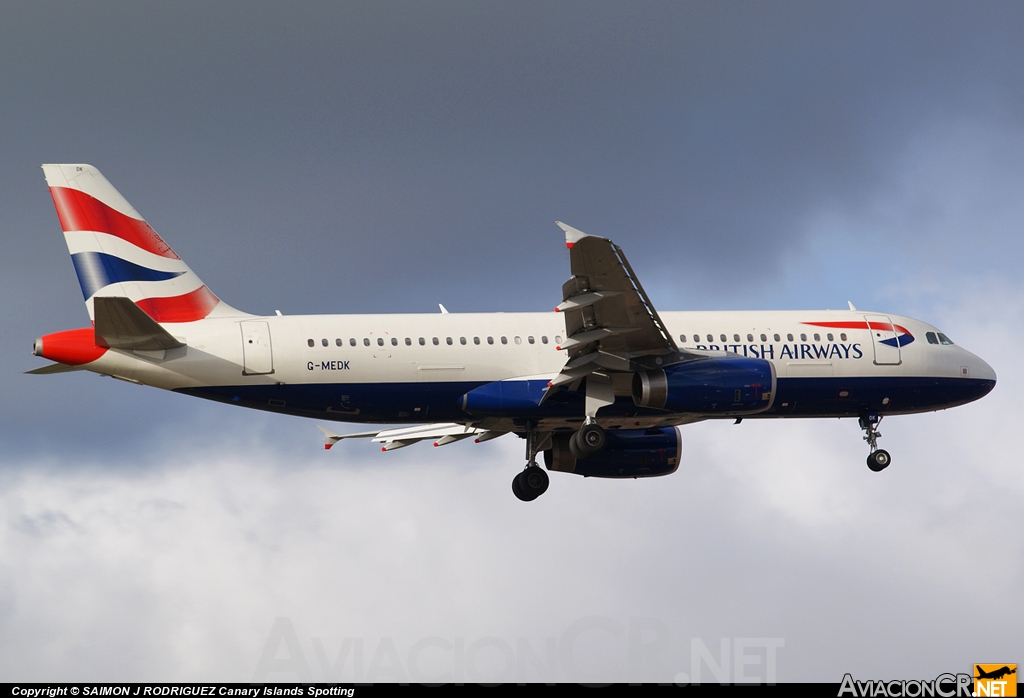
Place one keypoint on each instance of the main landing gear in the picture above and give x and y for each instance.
(533, 481)
(588, 441)
(878, 459)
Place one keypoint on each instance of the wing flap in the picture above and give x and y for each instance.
(441, 434)
(610, 323)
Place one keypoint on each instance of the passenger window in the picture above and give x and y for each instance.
(436, 341)
(476, 340)
(558, 339)
(448, 341)
(422, 341)
(711, 337)
(735, 338)
(932, 339)
(777, 338)
(723, 337)
(842, 336)
(311, 342)
(803, 337)
(504, 340)
(394, 341)
(324, 342)
(543, 339)
(789, 338)
(366, 341)
(380, 341)
(817, 337)
(352, 341)
(530, 339)
(490, 340)
(408, 341)
(337, 342)
(830, 337)
(696, 338)
(764, 337)
(518, 340)
(462, 341)
(750, 337)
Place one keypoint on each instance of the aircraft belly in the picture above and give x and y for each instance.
(852, 396)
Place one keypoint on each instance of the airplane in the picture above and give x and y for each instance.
(599, 387)
(996, 674)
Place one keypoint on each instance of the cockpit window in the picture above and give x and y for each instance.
(943, 339)
(932, 339)
(937, 338)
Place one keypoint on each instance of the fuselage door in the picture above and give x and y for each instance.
(257, 355)
(884, 339)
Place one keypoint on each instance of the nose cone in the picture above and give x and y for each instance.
(982, 370)
(981, 376)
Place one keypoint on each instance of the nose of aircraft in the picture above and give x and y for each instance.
(981, 376)
(978, 368)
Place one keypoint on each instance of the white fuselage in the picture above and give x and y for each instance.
(413, 367)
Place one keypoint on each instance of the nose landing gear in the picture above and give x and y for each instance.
(878, 459)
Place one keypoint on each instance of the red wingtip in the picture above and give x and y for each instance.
(557, 310)
(558, 348)
(568, 245)
(435, 443)
(327, 446)
(384, 448)
(476, 441)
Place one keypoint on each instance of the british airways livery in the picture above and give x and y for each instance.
(598, 388)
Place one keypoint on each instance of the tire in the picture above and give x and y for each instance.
(530, 484)
(535, 481)
(517, 490)
(879, 460)
(591, 439)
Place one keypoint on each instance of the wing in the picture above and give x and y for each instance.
(610, 322)
(441, 434)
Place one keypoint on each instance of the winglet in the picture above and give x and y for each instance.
(572, 236)
(330, 438)
(850, 303)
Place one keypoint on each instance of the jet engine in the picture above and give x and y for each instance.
(714, 385)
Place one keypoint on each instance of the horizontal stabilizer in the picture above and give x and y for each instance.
(54, 368)
(120, 324)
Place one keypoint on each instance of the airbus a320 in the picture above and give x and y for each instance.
(598, 388)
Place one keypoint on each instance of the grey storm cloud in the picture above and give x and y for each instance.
(384, 157)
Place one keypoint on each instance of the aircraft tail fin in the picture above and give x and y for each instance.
(117, 254)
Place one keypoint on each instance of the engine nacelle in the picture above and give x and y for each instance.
(714, 385)
(629, 453)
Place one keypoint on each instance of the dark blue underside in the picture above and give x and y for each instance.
(441, 402)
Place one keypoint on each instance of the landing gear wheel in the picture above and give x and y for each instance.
(588, 441)
(879, 460)
(530, 484)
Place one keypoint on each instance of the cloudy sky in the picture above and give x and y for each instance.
(324, 157)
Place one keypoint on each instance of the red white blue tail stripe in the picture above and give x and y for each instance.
(116, 253)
